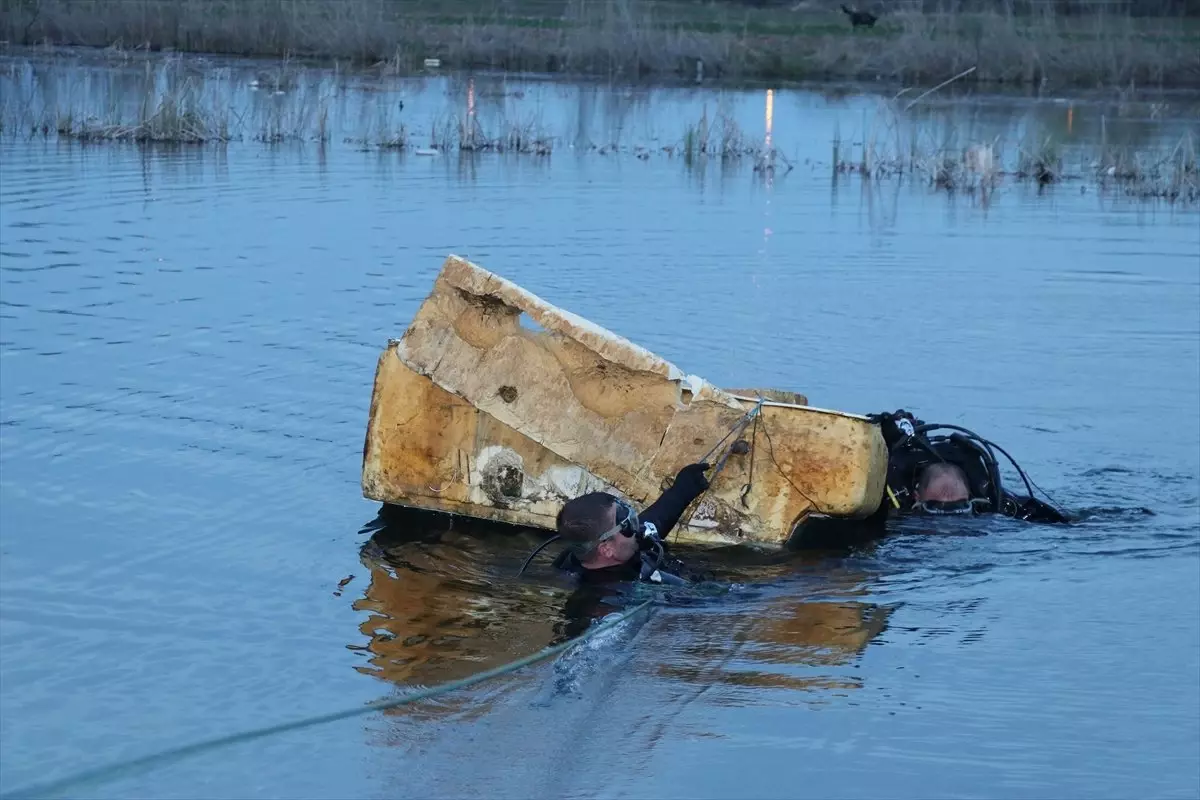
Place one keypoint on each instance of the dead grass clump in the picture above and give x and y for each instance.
(381, 126)
(1040, 161)
(174, 118)
(723, 138)
(523, 138)
(467, 135)
(894, 146)
(883, 152)
(720, 137)
(1172, 175)
(969, 170)
(298, 115)
(396, 138)
(173, 101)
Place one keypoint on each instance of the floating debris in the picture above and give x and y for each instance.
(469, 370)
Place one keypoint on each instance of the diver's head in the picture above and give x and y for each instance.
(599, 528)
(942, 483)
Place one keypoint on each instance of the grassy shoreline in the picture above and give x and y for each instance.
(640, 38)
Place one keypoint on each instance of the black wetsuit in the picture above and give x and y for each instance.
(663, 514)
(599, 592)
(910, 452)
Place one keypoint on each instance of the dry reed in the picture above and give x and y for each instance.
(178, 106)
(893, 146)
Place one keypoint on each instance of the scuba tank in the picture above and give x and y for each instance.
(914, 445)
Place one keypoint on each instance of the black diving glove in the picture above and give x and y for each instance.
(691, 479)
(895, 426)
(664, 512)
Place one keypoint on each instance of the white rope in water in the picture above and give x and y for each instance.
(146, 763)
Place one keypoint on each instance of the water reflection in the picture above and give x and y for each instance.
(443, 602)
(808, 638)
(769, 118)
(288, 101)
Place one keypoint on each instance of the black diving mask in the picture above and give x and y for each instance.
(938, 508)
(628, 524)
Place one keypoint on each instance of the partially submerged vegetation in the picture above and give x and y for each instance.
(171, 108)
(1097, 43)
(175, 103)
(723, 138)
(893, 147)
(466, 133)
(176, 118)
(1172, 174)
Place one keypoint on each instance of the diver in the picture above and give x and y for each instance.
(946, 469)
(608, 540)
(614, 554)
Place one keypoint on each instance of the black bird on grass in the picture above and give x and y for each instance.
(857, 18)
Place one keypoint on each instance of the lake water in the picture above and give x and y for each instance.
(187, 342)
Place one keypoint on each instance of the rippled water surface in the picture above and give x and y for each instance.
(187, 342)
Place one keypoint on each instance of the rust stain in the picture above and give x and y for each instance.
(777, 395)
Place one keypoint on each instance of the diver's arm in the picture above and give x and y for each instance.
(1031, 509)
(664, 512)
